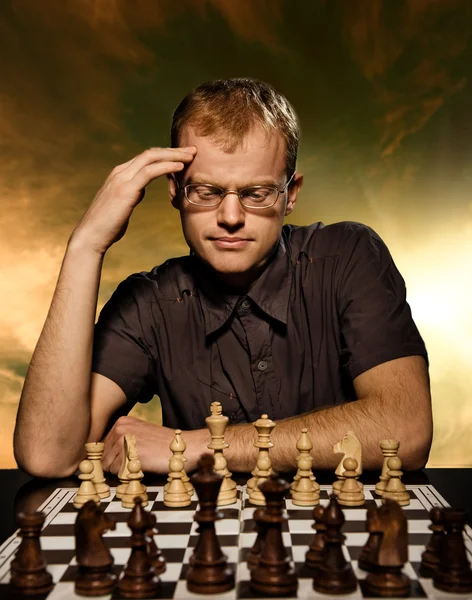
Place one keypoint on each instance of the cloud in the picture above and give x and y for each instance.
(10, 387)
(406, 50)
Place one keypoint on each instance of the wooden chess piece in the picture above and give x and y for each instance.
(306, 492)
(255, 552)
(29, 574)
(176, 495)
(368, 553)
(130, 452)
(178, 447)
(94, 559)
(315, 553)
(135, 488)
(94, 455)
(351, 492)
(156, 557)
(273, 575)
(139, 579)
(454, 574)
(334, 575)
(338, 484)
(208, 572)
(396, 489)
(264, 427)
(304, 447)
(430, 558)
(217, 424)
(385, 578)
(263, 437)
(87, 489)
(389, 449)
(351, 447)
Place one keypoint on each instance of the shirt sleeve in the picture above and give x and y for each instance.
(376, 321)
(123, 348)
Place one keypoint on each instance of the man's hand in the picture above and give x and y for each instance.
(153, 443)
(106, 220)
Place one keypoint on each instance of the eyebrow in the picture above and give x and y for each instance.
(202, 178)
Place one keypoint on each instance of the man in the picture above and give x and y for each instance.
(307, 324)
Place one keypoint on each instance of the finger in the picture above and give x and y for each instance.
(157, 155)
(111, 451)
(155, 170)
(185, 149)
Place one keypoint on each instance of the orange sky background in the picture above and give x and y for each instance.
(383, 92)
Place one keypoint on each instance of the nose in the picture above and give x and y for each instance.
(230, 212)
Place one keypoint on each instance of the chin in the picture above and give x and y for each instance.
(230, 263)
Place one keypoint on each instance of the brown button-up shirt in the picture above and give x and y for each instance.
(329, 305)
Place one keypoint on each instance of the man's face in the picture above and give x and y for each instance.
(235, 241)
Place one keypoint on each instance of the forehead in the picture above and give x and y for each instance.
(260, 157)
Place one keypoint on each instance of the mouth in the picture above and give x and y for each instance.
(230, 242)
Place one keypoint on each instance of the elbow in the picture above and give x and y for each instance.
(417, 446)
(36, 465)
(44, 470)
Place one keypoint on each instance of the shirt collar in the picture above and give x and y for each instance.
(270, 292)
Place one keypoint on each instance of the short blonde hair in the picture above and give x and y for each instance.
(227, 109)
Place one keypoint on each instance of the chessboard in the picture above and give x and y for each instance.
(177, 536)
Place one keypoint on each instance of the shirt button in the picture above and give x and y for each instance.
(245, 304)
(262, 365)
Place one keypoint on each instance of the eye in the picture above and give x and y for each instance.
(256, 193)
(206, 192)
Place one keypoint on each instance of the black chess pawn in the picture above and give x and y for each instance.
(208, 572)
(431, 556)
(139, 579)
(255, 552)
(29, 574)
(274, 575)
(334, 575)
(95, 561)
(454, 573)
(315, 553)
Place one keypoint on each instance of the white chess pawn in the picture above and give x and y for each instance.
(87, 489)
(129, 453)
(338, 484)
(176, 494)
(395, 489)
(306, 492)
(351, 492)
(135, 487)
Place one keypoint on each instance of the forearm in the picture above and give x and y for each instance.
(53, 418)
(368, 418)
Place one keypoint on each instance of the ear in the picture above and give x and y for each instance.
(293, 191)
(173, 191)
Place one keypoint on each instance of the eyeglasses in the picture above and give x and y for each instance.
(256, 196)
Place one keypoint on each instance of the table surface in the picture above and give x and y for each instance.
(20, 492)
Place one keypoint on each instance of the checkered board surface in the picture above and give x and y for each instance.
(177, 537)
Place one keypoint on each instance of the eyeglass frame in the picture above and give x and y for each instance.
(225, 192)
